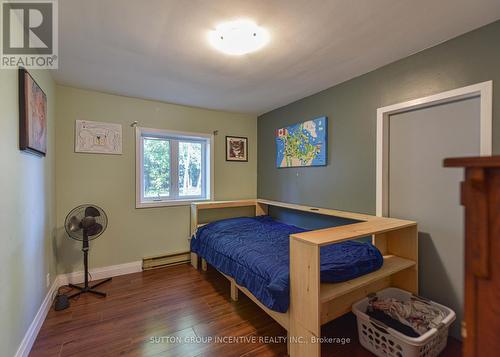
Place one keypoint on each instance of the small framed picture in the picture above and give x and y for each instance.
(32, 115)
(236, 148)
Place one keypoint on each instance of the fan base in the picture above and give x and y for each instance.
(88, 289)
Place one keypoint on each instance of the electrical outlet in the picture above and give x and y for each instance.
(47, 280)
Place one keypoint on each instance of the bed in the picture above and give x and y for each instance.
(254, 251)
(260, 256)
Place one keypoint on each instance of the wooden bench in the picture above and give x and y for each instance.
(312, 303)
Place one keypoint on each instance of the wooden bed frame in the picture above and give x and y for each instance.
(313, 304)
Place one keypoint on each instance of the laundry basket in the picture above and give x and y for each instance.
(385, 341)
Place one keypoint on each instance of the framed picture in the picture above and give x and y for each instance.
(98, 137)
(303, 144)
(32, 115)
(236, 148)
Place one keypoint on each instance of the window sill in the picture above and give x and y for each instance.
(153, 204)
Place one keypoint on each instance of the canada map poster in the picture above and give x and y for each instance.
(303, 144)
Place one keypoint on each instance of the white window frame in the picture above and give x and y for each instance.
(208, 164)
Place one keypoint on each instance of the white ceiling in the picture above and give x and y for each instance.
(157, 49)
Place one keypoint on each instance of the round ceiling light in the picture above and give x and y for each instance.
(238, 37)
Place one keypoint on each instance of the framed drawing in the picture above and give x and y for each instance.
(32, 115)
(236, 148)
(98, 138)
(303, 144)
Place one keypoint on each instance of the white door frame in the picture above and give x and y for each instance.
(482, 90)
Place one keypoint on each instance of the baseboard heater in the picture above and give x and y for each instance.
(161, 261)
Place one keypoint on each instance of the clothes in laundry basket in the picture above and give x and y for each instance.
(415, 313)
(380, 316)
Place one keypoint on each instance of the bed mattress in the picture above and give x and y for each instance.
(255, 252)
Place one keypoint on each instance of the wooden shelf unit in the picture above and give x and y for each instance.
(392, 265)
(312, 303)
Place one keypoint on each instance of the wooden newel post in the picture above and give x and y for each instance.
(480, 195)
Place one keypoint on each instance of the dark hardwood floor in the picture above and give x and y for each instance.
(181, 303)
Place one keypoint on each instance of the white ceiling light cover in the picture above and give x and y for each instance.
(238, 37)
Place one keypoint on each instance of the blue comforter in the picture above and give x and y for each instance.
(255, 252)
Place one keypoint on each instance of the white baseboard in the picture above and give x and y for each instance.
(64, 279)
(30, 336)
(101, 273)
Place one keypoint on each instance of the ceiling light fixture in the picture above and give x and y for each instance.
(238, 37)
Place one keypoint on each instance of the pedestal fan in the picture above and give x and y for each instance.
(85, 223)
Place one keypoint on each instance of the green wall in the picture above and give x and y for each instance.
(109, 180)
(348, 181)
(27, 215)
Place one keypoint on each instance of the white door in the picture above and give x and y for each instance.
(421, 189)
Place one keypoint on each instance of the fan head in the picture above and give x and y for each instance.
(86, 220)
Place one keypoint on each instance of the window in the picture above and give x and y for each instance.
(173, 168)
